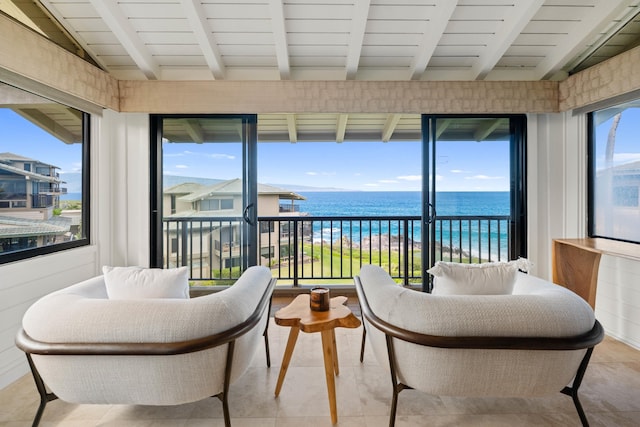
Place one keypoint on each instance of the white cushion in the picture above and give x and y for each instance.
(492, 278)
(143, 283)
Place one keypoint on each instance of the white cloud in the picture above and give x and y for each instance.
(76, 167)
(410, 177)
(182, 167)
(459, 171)
(320, 173)
(483, 177)
(371, 185)
(222, 156)
(387, 181)
(210, 155)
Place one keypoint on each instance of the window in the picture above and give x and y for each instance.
(226, 204)
(216, 204)
(614, 172)
(44, 154)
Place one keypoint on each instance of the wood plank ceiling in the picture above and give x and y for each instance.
(345, 40)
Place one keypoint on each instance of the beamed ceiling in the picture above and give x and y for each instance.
(524, 40)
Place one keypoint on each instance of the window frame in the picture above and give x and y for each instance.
(25, 254)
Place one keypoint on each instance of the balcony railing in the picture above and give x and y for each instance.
(13, 203)
(287, 208)
(331, 250)
(42, 201)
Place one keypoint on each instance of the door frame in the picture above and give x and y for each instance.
(249, 179)
(517, 186)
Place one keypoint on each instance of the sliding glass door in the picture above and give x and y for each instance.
(474, 189)
(204, 193)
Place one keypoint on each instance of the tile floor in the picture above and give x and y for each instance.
(610, 395)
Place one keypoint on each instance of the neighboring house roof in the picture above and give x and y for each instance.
(234, 186)
(15, 157)
(6, 158)
(230, 187)
(12, 157)
(184, 188)
(283, 193)
(21, 227)
(32, 175)
(631, 168)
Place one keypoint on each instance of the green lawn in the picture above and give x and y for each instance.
(335, 265)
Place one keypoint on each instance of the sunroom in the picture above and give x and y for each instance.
(124, 89)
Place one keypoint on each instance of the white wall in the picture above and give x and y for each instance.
(119, 230)
(556, 184)
(120, 224)
(124, 140)
(618, 298)
(21, 284)
(557, 208)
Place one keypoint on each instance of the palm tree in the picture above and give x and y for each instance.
(609, 218)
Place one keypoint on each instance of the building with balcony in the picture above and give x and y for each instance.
(204, 223)
(27, 185)
(29, 192)
(124, 77)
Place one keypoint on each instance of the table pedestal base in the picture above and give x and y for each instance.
(298, 316)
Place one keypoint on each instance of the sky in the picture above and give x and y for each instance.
(627, 143)
(19, 136)
(358, 166)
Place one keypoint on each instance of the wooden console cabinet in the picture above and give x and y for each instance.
(575, 262)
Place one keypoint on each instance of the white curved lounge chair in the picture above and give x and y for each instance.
(87, 348)
(534, 342)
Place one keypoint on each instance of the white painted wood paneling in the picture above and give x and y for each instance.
(618, 298)
(22, 284)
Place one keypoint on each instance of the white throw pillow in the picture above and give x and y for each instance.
(142, 283)
(492, 278)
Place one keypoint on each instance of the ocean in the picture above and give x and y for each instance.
(383, 203)
(471, 237)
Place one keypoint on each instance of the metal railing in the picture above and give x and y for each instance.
(42, 200)
(331, 250)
